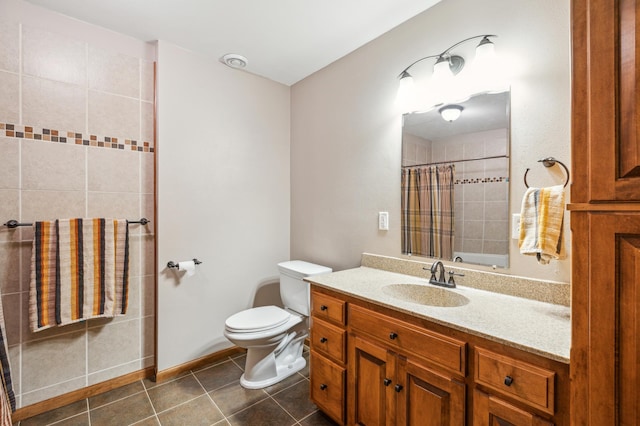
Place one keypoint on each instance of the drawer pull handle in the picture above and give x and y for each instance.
(398, 388)
(323, 340)
(323, 386)
(387, 382)
(508, 380)
(323, 308)
(393, 335)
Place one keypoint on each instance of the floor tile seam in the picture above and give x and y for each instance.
(155, 413)
(237, 365)
(115, 400)
(295, 421)
(70, 417)
(213, 364)
(290, 386)
(308, 415)
(267, 396)
(182, 403)
(208, 394)
(145, 419)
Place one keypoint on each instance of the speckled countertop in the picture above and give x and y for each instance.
(530, 325)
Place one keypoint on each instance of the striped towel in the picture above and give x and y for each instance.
(7, 397)
(79, 270)
(541, 221)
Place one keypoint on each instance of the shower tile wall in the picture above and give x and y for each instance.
(481, 190)
(76, 140)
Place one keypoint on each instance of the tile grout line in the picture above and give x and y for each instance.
(146, 391)
(209, 396)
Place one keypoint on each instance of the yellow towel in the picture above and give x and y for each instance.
(79, 270)
(541, 221)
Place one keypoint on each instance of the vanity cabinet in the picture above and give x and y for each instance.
(401, 370)
(328, 357)
(399, 374)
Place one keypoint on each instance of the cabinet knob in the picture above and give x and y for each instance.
(323, 340)
(323, 308)
(387, 382)
(508, 380)
(398, 388)
(323, 386)
(393, 335)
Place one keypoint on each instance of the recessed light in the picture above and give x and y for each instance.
(234, 60)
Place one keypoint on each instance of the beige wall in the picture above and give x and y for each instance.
(346, 131)
(61, 97)
(223, 197)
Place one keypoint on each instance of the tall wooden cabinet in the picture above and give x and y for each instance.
(605, 213)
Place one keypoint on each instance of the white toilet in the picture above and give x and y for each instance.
(274, 337)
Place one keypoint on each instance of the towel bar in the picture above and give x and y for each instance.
(549, 162)
(14, 223)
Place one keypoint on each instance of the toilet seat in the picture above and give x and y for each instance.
(258, 319)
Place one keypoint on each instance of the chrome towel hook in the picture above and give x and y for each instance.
(549, 162)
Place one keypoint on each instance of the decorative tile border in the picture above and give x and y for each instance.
(50, 135)
(481, 180)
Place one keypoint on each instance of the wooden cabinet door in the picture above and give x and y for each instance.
(489, 410)
(372, 380)
(605, 355)
(428, 397)
(606, 101)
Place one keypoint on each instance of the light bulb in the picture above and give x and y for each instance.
(451, 112)
(406, 96)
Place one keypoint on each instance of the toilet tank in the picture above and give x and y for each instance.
(293, 290)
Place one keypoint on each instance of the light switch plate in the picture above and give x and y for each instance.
(383, 221)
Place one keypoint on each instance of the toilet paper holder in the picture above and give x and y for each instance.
(174, 265)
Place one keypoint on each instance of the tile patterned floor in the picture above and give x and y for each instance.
(211, 395)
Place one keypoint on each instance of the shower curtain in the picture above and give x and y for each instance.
(427, 211)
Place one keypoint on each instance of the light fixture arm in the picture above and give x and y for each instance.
(444, 54)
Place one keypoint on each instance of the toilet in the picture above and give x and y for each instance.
(273, 336)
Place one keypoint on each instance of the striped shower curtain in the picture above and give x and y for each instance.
(427, 211)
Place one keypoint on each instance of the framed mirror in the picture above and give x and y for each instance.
(455, 182)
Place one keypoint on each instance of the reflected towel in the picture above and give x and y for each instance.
(541, 223)
(79, 270)
(7, 396)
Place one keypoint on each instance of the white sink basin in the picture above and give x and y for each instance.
(425, 295)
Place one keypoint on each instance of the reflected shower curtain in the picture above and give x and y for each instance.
(427, 211)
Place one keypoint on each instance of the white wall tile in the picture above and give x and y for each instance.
(53, 105)
(113, 115)
(9, 45)
(118, 74)
(9, 97)
(53, 56)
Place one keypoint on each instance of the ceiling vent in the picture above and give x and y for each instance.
(234, 61)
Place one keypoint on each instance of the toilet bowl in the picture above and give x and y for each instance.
(274, 336)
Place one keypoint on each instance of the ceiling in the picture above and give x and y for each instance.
(481, 113)
(284, 40)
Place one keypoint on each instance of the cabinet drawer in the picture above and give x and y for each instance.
(328, 308)
(329, 340)
(442, 350)
(327, 382)
(523, 381)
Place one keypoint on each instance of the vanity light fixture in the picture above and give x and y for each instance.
(451, 112)
(445, 84)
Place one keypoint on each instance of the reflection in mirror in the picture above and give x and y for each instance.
(455, 182)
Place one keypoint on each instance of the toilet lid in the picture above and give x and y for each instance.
(257, 319)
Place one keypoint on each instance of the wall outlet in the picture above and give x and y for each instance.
(515, 226)
(383, 221)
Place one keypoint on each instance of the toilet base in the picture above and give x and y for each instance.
(283, 371)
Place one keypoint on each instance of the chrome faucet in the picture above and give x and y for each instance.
(434, 270)
(441, 280)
